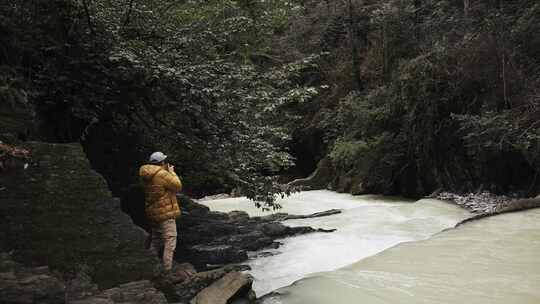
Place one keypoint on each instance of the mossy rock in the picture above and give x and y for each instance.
(59, 212)
(15, 122)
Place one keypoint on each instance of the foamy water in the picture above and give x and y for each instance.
(490, 261)
(367, 226)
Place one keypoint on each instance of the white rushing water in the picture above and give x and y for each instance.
(367, 226)
(491, 261)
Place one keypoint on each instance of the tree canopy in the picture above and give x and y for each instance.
(406, 95)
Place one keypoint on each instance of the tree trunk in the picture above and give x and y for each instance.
(88, 19)
(417, 17)
(354, 47)
(505, 86)
(128, 13)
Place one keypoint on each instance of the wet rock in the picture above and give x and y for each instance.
(215, 197)
(263, 254)
(278, 230)
(190, 207)
(358, 187)
(208, 237)
(238, 216)
(233, 284)
(250, 241)
(275, 229)
(216, 254)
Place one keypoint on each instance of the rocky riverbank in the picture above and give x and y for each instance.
(26, 285)
(215, 238)
(65, 239)
(208, 239)
(485, 204)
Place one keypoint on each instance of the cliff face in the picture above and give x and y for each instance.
(59, 212)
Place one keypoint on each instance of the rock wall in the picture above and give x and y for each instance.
(327, 176)
(59, 212)
(321, 178)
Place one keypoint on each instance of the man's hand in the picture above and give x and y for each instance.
(170, 168)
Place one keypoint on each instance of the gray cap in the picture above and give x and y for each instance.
(157, 157)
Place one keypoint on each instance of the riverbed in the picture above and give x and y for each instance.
(493, 260)
(368, 225)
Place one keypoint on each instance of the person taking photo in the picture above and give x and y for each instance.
(161, 184)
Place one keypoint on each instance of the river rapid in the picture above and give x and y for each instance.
(389, 250)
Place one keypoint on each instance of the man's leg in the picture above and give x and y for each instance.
(169, 241)
(157, 239)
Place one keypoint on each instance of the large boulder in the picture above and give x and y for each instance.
(183, 284)
(59, 212)
(233, 284)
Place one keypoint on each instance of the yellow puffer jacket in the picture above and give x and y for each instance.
(160, 188)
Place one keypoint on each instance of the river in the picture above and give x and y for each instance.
(389, 250)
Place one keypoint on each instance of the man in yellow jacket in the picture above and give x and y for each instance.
(161, 206)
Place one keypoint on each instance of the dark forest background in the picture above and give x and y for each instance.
(404, 96)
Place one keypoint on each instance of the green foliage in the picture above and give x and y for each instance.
(446, 99)
(178, 76)
(346, 153)
(492, 133)
(411, 94)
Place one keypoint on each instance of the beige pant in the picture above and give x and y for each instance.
(164, 236)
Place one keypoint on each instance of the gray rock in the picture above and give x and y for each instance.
(216, 254)
(319, 179)
(233, 284)
(274, 229)
(20, 285)
(238, 216)
(140, 292)
(187, 290)
(81, 286)
(222, 238)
